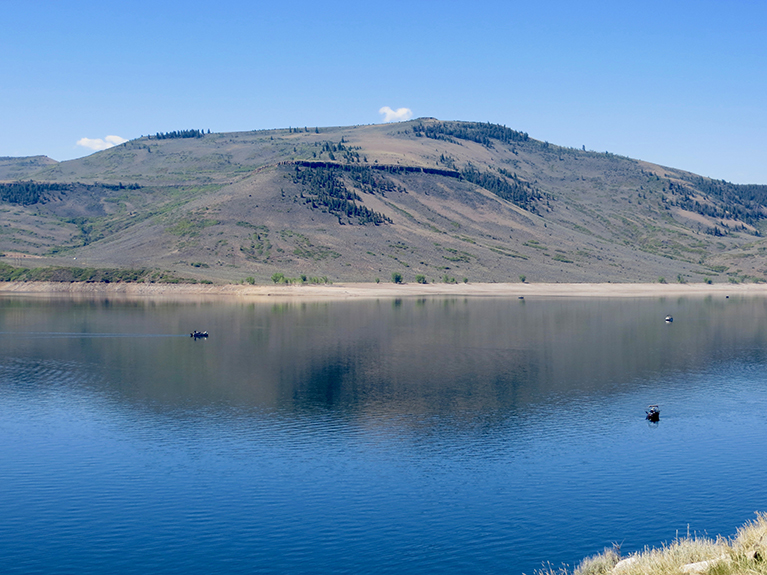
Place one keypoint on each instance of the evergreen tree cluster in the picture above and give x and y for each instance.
(447, 161)
(687, 202)
(349, 153)
(746, 202)
(327, 190)
(368, 181)
(509, 187)
(179, 134)
(365, 177)
(29, 193)
(480, 132)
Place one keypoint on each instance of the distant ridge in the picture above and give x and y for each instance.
(18, 168)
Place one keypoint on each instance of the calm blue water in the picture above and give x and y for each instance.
(417, 436)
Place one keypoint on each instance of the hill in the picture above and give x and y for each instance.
(442, 200)
(20, 168)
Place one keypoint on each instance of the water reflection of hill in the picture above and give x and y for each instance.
(471, 358)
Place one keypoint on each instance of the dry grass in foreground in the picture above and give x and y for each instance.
(746, 553)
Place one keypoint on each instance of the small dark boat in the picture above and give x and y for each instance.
(669, 319)
(653, 413)
(198, 334)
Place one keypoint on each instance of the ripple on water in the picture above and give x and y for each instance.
(434, 449)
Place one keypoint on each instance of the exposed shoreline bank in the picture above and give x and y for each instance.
(375, 291)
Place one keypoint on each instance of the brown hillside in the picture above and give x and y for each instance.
(443, 200)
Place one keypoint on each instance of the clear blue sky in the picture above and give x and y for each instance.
(683, 84)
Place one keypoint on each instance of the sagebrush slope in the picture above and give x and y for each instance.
(443, 200)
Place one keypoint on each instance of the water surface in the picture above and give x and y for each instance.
(461, 435)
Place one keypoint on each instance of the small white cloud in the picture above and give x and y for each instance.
(398, 115)
(99, 144)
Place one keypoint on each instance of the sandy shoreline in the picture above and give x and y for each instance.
(375, 291)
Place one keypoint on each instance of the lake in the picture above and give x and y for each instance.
(389, 436)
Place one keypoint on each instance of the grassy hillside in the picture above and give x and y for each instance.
(442, 200)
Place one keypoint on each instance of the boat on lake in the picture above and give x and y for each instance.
(198, 334)
(653, 413)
